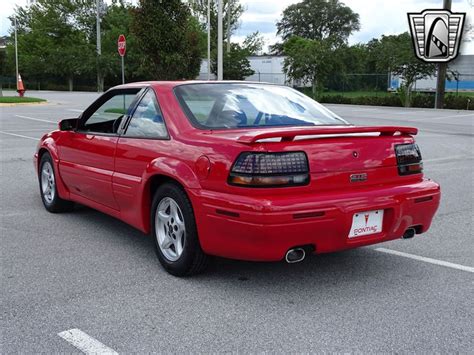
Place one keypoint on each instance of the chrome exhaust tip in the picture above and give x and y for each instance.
(409, 233)
(295, 255)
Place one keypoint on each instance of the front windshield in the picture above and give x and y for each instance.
(242, 105)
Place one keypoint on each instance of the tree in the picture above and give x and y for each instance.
(351, 66)
(3, 67)
(199, 8)
(395, 54)
(53, 39)
(236, 65)
(312, 30)
(170, 39)
(318, 20)
(308, 60)
(117, 20)
(253, 43)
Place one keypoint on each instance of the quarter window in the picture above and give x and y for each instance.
(147, 120)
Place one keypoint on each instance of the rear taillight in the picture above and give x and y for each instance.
(270, 169)
(408, 159)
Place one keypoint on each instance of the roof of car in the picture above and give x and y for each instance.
(141, 84)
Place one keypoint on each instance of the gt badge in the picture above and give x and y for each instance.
(358, 177)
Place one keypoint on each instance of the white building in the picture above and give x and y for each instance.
(268, 68)
(460, 71)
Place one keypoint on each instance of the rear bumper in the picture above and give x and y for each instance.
(264, 228)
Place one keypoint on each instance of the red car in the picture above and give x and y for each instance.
(238, 170)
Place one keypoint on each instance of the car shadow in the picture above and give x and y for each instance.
(358, 266)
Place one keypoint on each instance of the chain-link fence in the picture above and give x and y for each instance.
(335, 82)
(339, 83)
(455, 83)
(55, 84)
(460, 82)
(274, 78)
(342, 82)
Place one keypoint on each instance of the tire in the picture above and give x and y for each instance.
(48, 190)
(174, 231)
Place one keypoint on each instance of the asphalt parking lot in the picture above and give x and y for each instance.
(88, 271)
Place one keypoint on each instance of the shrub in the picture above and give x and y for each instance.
(403, 95)
(391, 100)
(458, 102)
(421, 100)
(334, 99)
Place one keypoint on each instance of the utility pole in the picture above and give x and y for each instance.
(441, 78)
(99, 47)
(16, 49)
(229, 10)
(208, 39)
(220, 66)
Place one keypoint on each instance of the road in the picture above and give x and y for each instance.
(87, 271)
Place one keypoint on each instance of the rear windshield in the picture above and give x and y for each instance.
(235, 105)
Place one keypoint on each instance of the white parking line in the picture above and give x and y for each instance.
(452, 116)
(46, 129)
(19, 135)
(364, 110)
(427, 260)
(75, 110)
(449, 158)
(85, 342)
(35, 119)
(400, 113)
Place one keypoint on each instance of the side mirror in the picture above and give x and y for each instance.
(68, 124)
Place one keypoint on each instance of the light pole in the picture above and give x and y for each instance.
(229, 10)
(456, 76)
(99, 47)
(441, 78)
(16, 49)
(208, 39)
(220, 66)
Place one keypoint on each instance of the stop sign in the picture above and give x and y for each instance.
(121, 45)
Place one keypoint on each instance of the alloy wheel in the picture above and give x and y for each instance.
(48, 185)
(170, 229)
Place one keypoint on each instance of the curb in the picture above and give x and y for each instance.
(23, 104)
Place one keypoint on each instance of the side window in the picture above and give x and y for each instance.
(107, 117)
(147, 120)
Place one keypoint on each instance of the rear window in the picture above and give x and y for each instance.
(241, 105)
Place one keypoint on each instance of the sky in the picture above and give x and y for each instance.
(377, 17)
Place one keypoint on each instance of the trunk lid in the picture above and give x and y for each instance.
(339, 156)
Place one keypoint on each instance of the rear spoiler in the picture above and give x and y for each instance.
(288, 135)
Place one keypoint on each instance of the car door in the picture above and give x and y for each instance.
(87, 154)
(144, 139)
